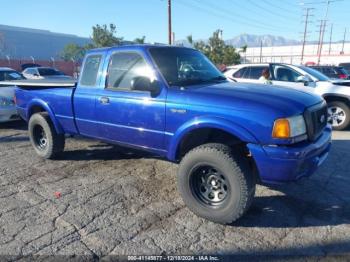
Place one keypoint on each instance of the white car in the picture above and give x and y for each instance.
(44, 73)
(335, 92)
(8, 111)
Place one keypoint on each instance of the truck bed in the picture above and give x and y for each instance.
(54, 97)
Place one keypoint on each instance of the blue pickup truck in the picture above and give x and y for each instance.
(173, 102)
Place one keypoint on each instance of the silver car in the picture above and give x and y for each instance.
(8, 110)
(44, 73)
(335, 92)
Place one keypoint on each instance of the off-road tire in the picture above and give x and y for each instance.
(54, 142)
(238, 176)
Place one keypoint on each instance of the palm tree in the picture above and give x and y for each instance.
(140, 40)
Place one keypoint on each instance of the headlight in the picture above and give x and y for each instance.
(5, 101)
(289, 127)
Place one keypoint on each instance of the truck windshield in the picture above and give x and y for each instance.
(185, 66)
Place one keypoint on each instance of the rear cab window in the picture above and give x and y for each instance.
(90, 70)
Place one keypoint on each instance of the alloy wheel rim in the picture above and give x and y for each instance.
(336, 116)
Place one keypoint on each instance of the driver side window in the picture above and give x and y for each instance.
(123, 67)
(285, 74)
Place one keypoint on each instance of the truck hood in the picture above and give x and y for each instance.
(256, 97)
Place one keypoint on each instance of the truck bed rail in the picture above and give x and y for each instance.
(39, 84)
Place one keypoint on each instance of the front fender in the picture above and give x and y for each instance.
(42, 104)
(208, 122)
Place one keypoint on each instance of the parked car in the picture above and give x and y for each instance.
(27, 65)
(346, 66)
(335, 72)
(173, 102)
(8, 111)
(335, 92)
(44, 73)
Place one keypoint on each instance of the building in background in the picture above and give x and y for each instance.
(331, 55)
(26, 43)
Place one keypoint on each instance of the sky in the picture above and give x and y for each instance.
(136, 18)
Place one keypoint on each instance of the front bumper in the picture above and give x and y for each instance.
(8, 113)
(278, 164)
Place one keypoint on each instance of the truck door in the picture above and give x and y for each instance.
(85, 95)
(127, 116)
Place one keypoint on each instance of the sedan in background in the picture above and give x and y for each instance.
(8, 111)
(334, 72)
(44, 73)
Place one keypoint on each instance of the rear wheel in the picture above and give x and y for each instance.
(338, 115)
(43, 136)
(216, 183)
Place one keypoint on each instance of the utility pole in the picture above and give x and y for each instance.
(322, 31)
(330, 40)
(324, 28)
(342, 49)
(319, 37)
(305, 33)
(169, 23)
(261, 51)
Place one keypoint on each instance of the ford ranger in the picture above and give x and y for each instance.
(173, 102)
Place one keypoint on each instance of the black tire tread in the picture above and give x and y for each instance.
(57, 141)
(241, 169)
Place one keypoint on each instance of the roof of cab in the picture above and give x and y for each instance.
(133, 47)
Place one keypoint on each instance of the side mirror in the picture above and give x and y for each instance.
(142, 83)
(304, 79)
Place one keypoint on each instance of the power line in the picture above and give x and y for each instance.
(268, 10)
(277, 6)
(224, 16)
(230, 13)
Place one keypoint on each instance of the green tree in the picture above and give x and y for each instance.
(217, 51)
(244, 51)
(140, 40)
(103, 36)
(190, 39)
(72, 52)
(244, 48)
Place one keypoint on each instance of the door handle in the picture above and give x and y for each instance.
(104, 100)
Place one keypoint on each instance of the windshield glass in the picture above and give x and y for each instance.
(49, 72)
(184, 66)
(10, 75)
(316, 74)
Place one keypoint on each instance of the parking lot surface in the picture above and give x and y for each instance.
(98, 200)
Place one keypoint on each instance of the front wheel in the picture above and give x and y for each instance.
(216, 183)
(43, 136)
(338, 115)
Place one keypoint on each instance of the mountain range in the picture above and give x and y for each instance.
(253, 41)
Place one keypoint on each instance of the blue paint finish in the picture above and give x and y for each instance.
(277, 164)
(159, 123)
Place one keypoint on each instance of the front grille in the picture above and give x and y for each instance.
(316, 120)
